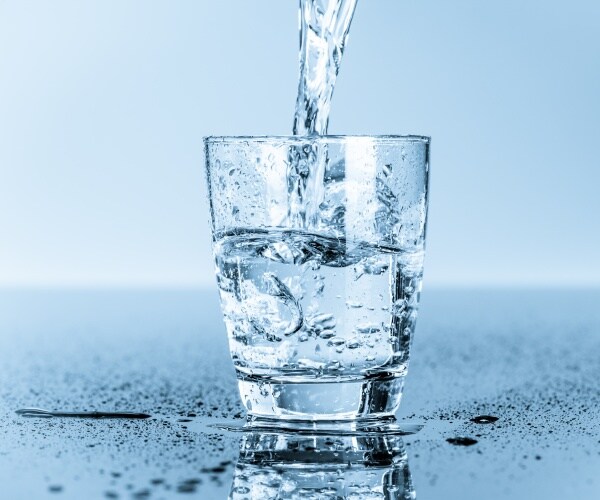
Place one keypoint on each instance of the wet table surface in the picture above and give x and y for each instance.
(530, 358)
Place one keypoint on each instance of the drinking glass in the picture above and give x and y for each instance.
(318, 243)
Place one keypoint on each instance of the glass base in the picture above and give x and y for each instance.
(372, 398)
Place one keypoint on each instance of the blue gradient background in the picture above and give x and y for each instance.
(103, 105)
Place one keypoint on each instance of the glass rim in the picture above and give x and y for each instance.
(215, 139)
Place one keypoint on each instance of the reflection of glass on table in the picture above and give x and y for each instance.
(288, 466)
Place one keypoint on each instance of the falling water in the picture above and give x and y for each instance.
(324, 27)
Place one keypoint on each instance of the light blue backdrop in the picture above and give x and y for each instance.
(103, 105)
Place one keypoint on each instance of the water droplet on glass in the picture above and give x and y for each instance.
(368, 328)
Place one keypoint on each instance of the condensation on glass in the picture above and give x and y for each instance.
(318, 244)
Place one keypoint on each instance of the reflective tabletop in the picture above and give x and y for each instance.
(505, 384)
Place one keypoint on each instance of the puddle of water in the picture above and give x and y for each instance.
(484, 419)
(358, 429)
(462, 441)
(40, 413)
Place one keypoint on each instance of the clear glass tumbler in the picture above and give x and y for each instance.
(318, 243)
